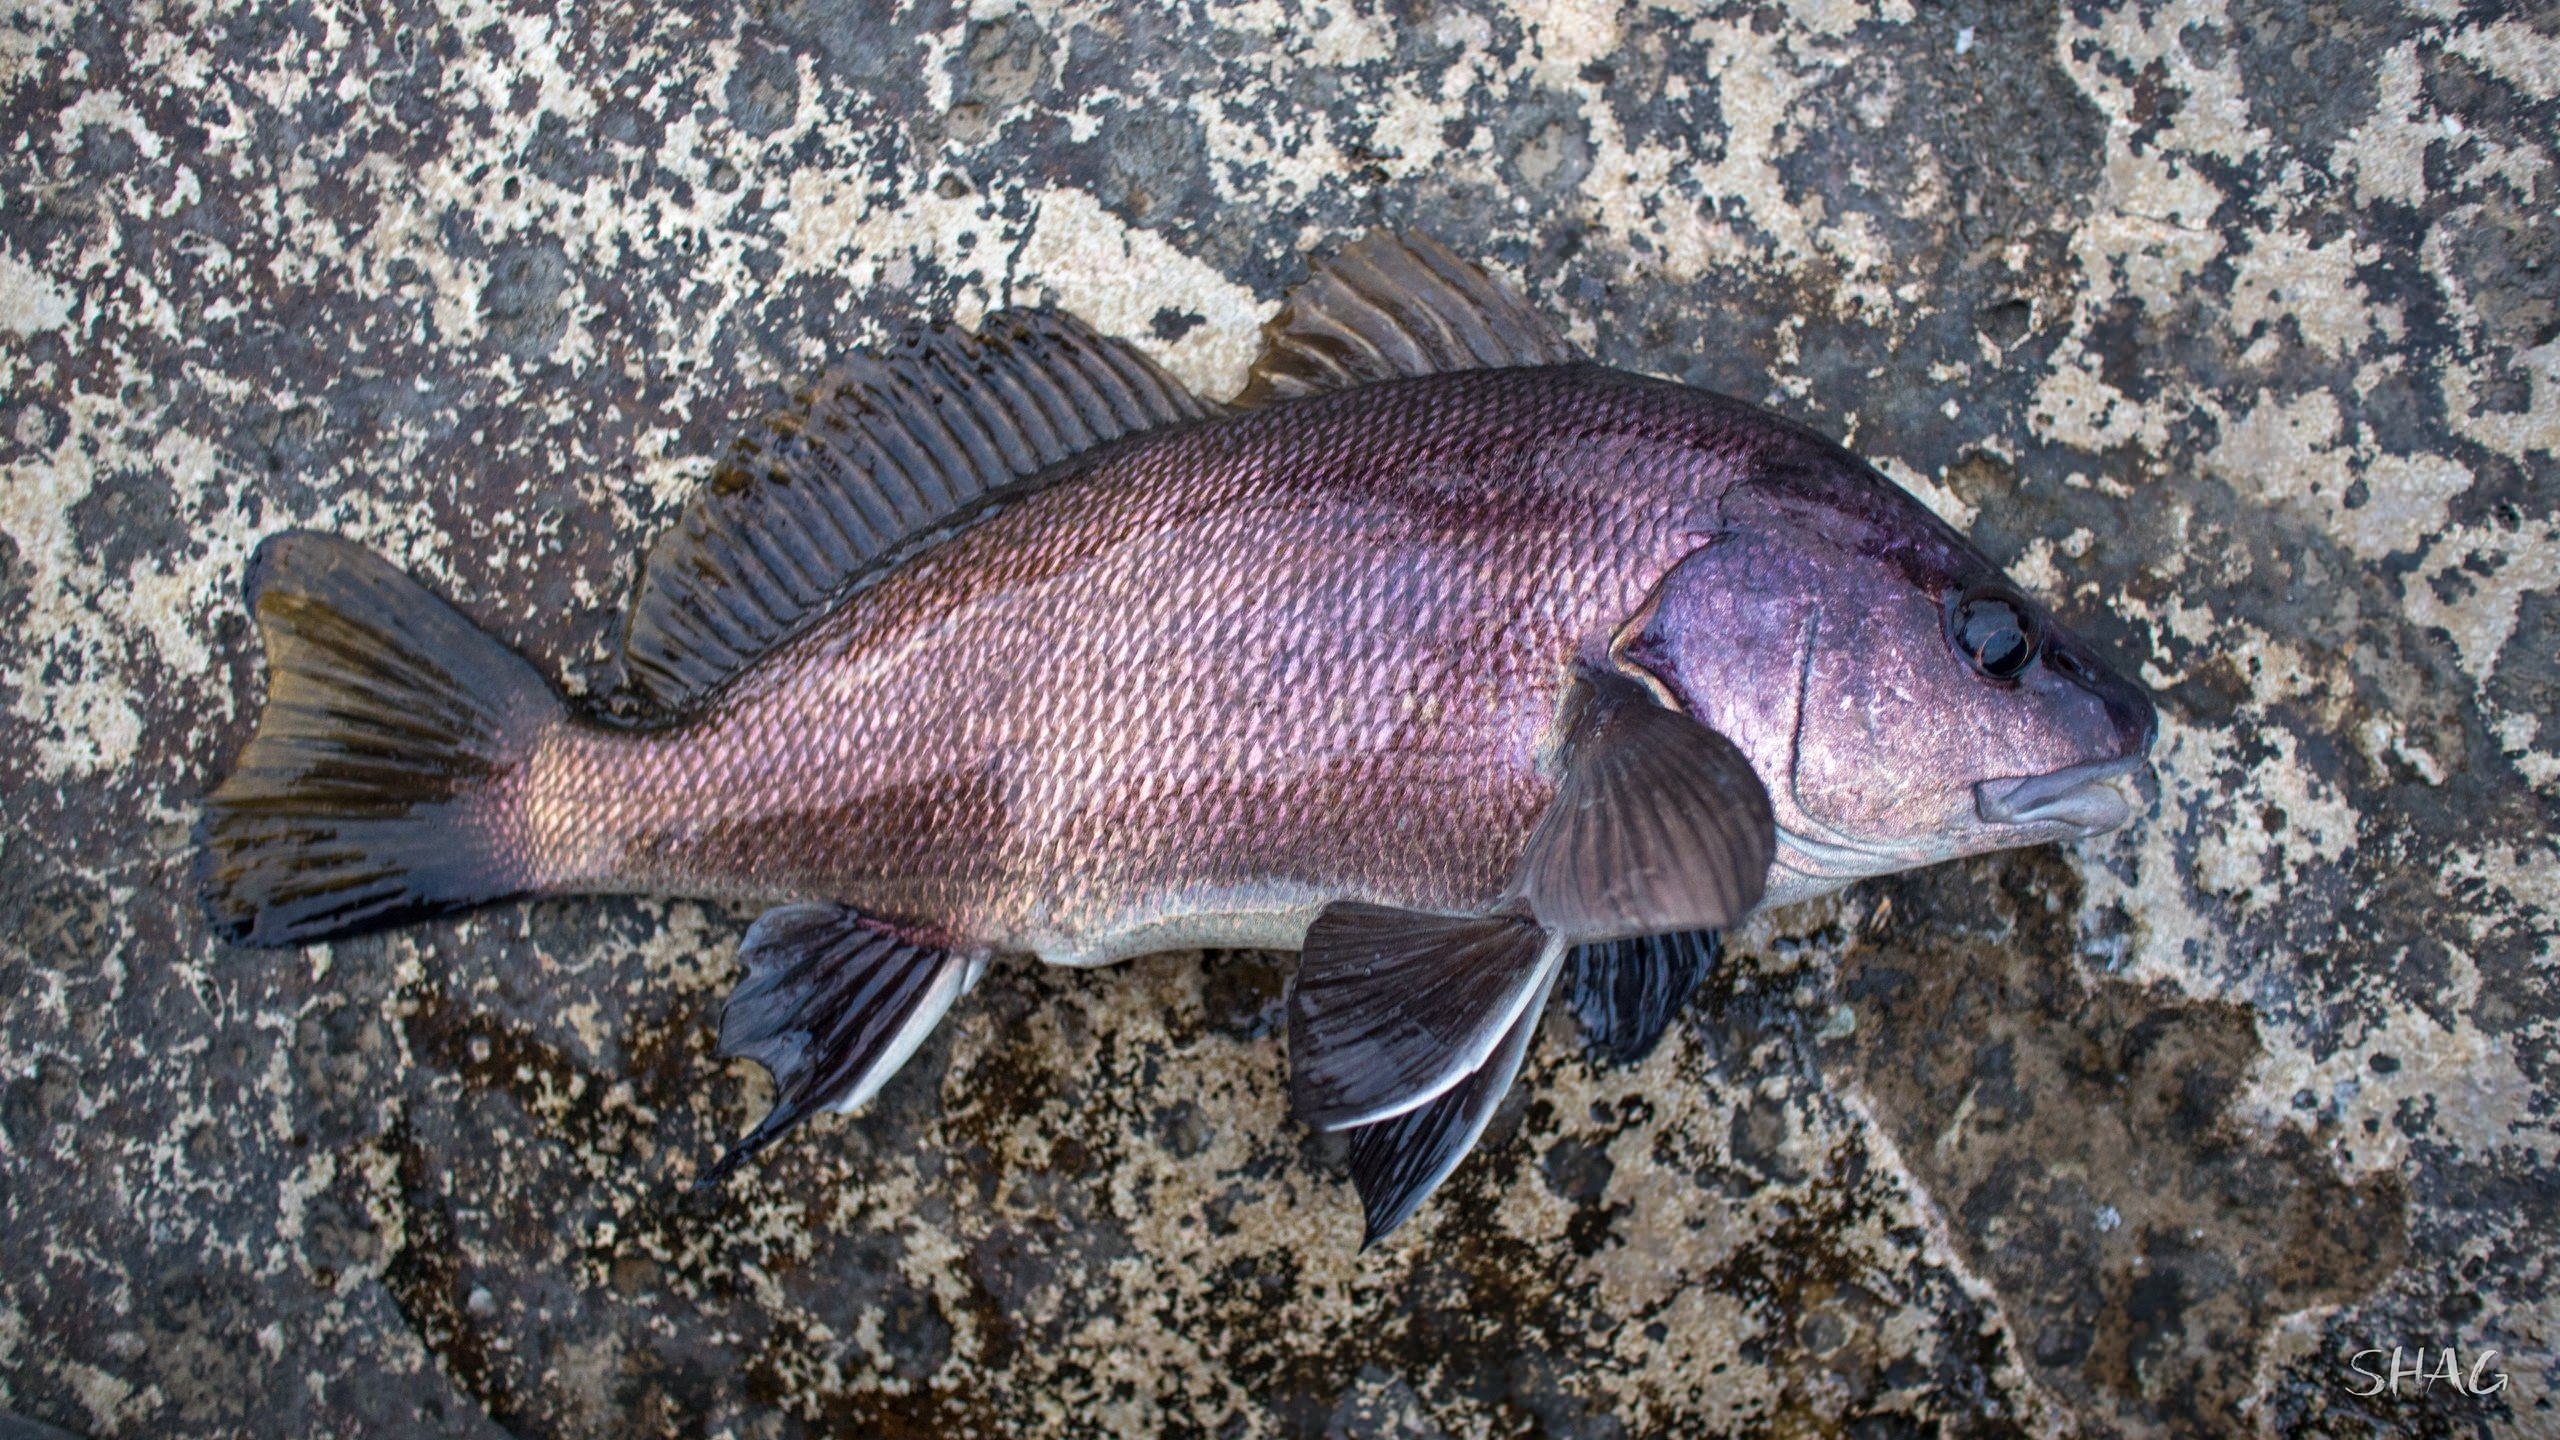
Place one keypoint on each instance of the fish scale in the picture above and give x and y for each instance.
(1438, 655)
(1091, 666)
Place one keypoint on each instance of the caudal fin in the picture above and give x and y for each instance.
(371, 793)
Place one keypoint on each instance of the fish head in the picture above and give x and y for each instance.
(1903, 701)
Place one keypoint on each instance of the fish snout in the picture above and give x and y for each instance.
(2130, 715)
(2136, 719)
(2081, 799)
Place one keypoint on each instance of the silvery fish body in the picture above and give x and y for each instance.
(1443, 654)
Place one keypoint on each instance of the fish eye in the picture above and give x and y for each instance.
(1993, 632)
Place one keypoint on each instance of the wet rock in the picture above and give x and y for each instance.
(523, 299)
(2231, 335)
(764, 91)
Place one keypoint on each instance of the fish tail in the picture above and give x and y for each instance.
(376, 788)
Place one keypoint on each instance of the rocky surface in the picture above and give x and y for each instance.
(2232, 330)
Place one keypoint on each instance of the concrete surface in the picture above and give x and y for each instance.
(2231, 329)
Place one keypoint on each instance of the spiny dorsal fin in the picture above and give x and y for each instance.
(1396, 304)
(887, 449)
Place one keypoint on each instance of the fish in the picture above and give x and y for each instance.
(1460, 663)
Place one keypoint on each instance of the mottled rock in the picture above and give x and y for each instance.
(2230, 329)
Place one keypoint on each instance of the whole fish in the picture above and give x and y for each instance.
(1441, 654)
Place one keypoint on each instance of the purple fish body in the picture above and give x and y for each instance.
(1255, 665)
(1444, 655)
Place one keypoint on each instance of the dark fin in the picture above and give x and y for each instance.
(832, 1005)
(14, 1426)
(1393, 305)
(1626, 992)
(880, 457)
(1391, 1007)
(1398, 1162)
(1659, 823)
(365, 797)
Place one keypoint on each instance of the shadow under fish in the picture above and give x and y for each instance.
(1440, 653)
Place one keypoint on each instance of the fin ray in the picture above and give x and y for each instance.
(880, 456)
(1392, 1007)
(832, 1005)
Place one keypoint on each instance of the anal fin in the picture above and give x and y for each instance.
(1392, 1007)
(1627, 992)
(832, 1005)
(1397, 1163)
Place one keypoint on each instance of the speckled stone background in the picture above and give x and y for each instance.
(2231, 328)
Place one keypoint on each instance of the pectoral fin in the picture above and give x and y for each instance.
(832, 1005)
(1658, 825)
(1393, 1007)
(1398, 1162)
(1626, 992)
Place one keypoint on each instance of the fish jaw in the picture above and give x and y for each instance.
(2079, 800)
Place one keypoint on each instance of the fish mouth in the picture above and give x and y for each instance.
(2078, 798)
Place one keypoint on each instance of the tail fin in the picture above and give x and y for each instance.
(369, 794)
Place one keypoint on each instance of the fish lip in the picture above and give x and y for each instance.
(2077, 798)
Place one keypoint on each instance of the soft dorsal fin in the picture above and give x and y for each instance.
(1396, 304)
(886, 450)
